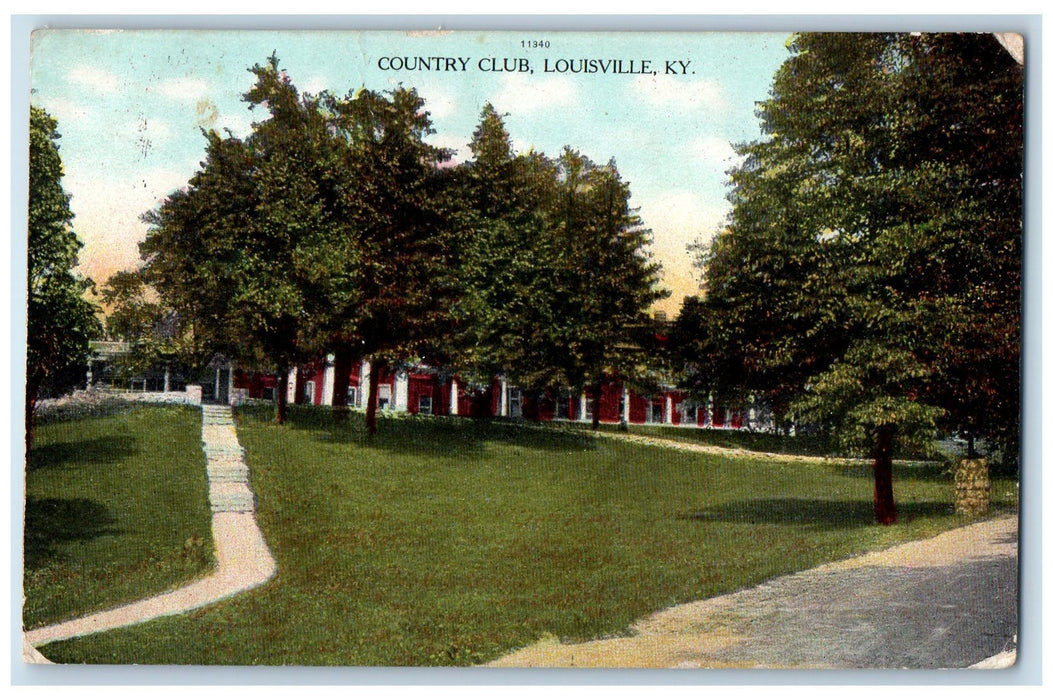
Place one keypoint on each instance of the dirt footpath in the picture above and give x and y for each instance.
(945, 602)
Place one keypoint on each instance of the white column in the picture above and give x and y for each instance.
(167, 375)
(401, 396)
(290, 392)
(582, 402)
(230, 383)
(667, 416)
(328, 380)
(453, 396)
(709, 412)
(625, 404)
(502, 401)
(363, 384)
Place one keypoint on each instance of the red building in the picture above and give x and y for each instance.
(426, 390)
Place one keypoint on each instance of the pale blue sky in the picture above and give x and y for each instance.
(131, 105)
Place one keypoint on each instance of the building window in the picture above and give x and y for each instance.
(383, 397)
(424, 405)
(352, 396)
(308, 392)
(563, 407)
(689, 413)
(588, 409)
(268, 393)
(515, 402)
(657, 411)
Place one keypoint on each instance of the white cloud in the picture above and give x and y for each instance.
(669, 91)
(438, 102)
(239, 124)
(714, 156)
(521, 95)
(94, 78)
(183, 88)
(455, 143)
(314, 85)
(67, 111)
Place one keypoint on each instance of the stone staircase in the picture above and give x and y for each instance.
(228, 474)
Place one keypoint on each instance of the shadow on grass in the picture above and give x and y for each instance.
(432, 436)
(52, 521)
(929, 471)
(104, 449)
(817, 513)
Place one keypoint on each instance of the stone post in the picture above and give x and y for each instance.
(453, 396)
(972, 487)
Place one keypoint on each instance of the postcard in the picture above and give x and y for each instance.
(531, 349)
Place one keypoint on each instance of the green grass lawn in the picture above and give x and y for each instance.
(111, 498)
(446, 541)
(733, 439)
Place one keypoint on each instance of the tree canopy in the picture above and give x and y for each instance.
(868, 279)
(60, 319)
(558, 279)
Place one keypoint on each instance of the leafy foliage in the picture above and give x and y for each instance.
(60, 320)
(557, 276)
(868, 278)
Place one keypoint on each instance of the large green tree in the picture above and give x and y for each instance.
(606, 280)
(507, 256)
(60, 319)
(868, 279)
(404, 255)
(257, 253)
(556, 272)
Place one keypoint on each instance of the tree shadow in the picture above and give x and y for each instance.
(918, 471)
(816, 513)
(53, 521)
(431, 436)
(104, 449)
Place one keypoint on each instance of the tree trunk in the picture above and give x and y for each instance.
(32, 388)
(884, 501)
(371, 404)
(597, 391)
(283, 396)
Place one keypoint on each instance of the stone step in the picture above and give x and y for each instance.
(231, 473)
(226, 497)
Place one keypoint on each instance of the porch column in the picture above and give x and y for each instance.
(230, 383)
(328, 380)
(453, 396)
(625, 404)
(667, 415)
(582, 403)
(363, 384)
(167, 383)
(401, 397)
(290, 391)
(709, 412)
(502, 401)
